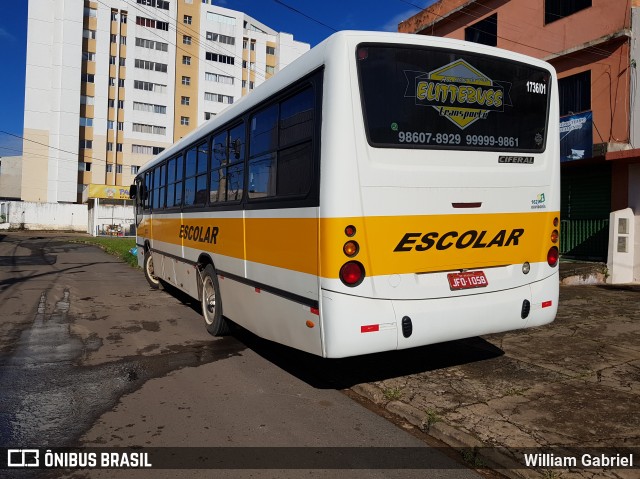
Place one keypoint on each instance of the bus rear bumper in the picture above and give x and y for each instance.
(355, 326)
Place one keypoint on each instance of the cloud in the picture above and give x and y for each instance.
(392, 24)
(6, 34)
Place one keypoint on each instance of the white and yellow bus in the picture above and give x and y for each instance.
(382, 192)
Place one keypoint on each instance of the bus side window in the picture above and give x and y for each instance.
(281, 150)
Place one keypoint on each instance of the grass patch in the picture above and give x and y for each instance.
(118, 247)
(392, 394)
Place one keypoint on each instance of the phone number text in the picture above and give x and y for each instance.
(426, 138)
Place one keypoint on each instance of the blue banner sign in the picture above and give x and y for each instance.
(576, 137)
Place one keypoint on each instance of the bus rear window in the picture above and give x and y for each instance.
(432, 98)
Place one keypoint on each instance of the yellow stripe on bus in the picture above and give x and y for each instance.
(388, 244)
(420, 244)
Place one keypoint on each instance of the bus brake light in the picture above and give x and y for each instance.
(352, 273)
(552, 256)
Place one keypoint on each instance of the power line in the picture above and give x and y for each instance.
(305, 15)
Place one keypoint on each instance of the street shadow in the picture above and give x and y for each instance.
(344, 373)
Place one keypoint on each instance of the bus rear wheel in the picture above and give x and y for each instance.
(149, 273)
(216, 324)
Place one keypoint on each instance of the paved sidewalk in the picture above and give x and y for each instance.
(574, 383)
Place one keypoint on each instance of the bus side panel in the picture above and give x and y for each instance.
(352, 325)
(270, 316)
(544, 301)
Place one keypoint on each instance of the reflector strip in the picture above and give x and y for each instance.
(546, 304)
(315, 311)
(371, 328)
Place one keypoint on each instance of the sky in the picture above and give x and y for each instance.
(313, 22)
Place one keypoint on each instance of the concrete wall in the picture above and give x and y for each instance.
(47, 216)
(95, 218)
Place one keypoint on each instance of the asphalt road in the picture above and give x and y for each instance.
(90, 356)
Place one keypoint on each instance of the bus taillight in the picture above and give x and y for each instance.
(552, 256)
(352, 273)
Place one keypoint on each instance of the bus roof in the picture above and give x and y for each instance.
(316, 58)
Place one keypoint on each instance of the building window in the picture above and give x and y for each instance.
(123, 18)
(271, 70)
(244, 43)
(134, 169)
(121, 82)
(188, 19)
(119, 147)
(87, 100)
(151, 108)
(120, 103)
(186, 39)
(86, 121)
(114, 38)
(109, 146)
(109, 124)
(123, 40)
(184, 100)
(153, 129)
(186, 80)
(186, 60)
(151, 44)
(148, 86)
(216, 17)
(123, 61)
(114, 16)
(141, 149)
(112, 60)
(121, 125)
(218, 98)
(558, 9)
(485, 31)
(86, 144)
(184, 120)
(111, 102)
(575, 93)
(217, 37)
(109, 168)
(88, 56)
(88, 77)
(90, 12)
(208, 115)
(112, 81)
(151, 23)
(118, 168)
(148, 65)
(218, 78)
(163, 4)
(271, 50)
(252, 46)
(84, 166)
(216, 57)
(89, 34)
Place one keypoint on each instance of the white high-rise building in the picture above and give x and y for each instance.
(110, 83)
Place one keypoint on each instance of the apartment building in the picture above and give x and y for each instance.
(110, 83)
(593, 44)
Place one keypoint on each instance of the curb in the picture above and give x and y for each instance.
(481, 455)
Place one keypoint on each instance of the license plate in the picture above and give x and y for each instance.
(467, 280)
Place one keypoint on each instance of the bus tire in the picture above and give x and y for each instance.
(152, 279)
(211, 301)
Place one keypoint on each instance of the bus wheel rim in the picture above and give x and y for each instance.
(209, 301)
